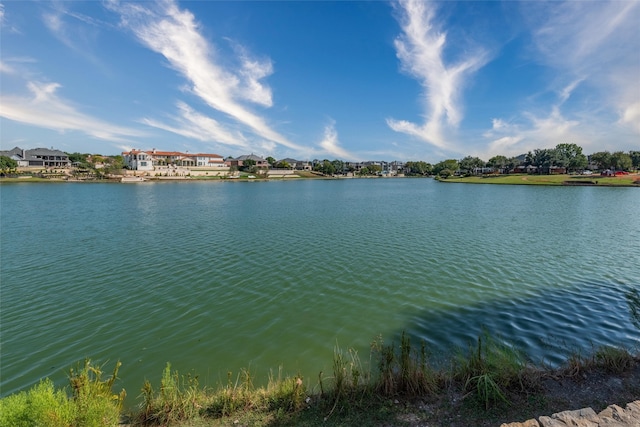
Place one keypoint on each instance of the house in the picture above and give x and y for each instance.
(239, 161)
(138, 160)
(149, 160)
(38, 157)
(297, 164)
(525, 169)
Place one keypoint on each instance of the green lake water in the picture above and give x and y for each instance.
(219, 276)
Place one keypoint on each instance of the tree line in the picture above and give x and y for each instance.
(544, 160)
(566, 156)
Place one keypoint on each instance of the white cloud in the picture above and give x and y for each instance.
(45, 109)
(595, 44)
(591, 48)
(251, 71)
(420, 49)
(6, 68)
(174, 33)
(192, 124)
(566, 91)
(331, 145)
(538, 132)
(630, 116)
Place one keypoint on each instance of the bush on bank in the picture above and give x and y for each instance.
(90, 404)
(489, 372)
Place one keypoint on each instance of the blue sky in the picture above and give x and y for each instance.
(408, 80)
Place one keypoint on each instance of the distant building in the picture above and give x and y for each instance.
(149, 160)
(239, 161)
(38, 157)
(297, 164)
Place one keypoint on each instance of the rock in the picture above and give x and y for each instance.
(612, 416)
(633, 409)
(528, 423)
(585, 417)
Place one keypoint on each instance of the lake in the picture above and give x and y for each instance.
(219, 276)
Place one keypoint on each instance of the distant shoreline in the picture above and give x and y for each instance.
(630, 180)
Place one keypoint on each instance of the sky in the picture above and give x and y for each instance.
(351, 80)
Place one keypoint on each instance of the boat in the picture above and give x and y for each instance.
(132, 179)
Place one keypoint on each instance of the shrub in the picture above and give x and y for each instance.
(91, 403)
(41, 405)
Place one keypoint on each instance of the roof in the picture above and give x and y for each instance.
(250, 157)
(33, 153)
(155, 152)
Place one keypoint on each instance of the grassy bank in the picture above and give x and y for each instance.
(488, 383)
(632, 180)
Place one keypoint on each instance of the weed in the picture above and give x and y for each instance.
(180, 398)
(613, 359)
(487, 389)
(490, 368)
(96, 405)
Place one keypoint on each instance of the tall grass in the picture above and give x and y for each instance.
(490, 369)
(489, 372)
(181, 398)
(407, 371)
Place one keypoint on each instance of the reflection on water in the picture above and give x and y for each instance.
(633, 301)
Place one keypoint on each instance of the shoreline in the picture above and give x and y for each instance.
(630, 180)
(400, 389)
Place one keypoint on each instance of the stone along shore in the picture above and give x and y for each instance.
(612, 416)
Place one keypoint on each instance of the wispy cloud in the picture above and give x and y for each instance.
(5, 25)
(330, 143)
(192, 124)
(78, 36)
(592, 49)
(44, 108)
(420, 49)
(174, 33)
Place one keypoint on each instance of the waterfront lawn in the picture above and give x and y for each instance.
(520, 179)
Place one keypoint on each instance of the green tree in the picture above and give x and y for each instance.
(542, 158)
(113, 164)
(498, 162)
(7, 163)
(635, 159)
(445, 173)
(282, 164)
(325, 167)
(621, 161)
(248, 165)
(450, 164)
(468, 164)
(271, 160)
(570, 156)
(513, 162)
(78, 158)
(375, 169)
(602, 159)
(338, 165)
(419, 168)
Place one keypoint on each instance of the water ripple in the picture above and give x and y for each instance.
(216, 277)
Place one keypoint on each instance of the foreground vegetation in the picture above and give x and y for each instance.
(478, 386)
